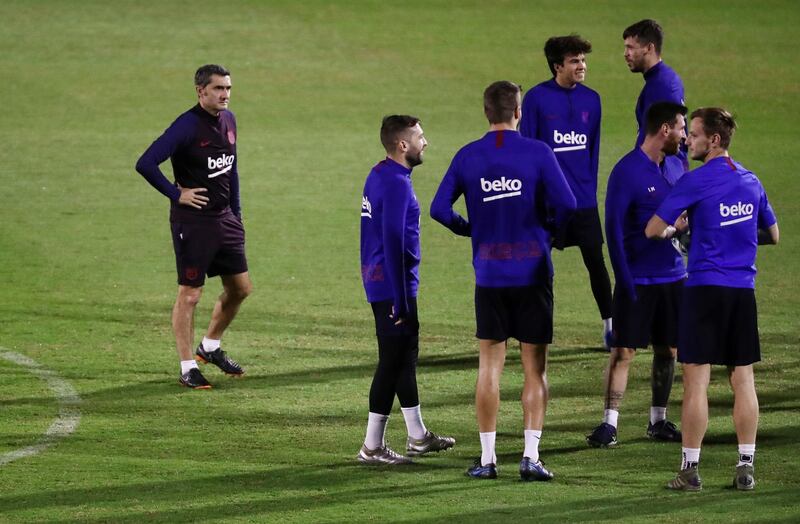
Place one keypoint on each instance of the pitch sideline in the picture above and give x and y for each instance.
(69, 414)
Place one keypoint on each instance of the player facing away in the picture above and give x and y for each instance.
(643, 42)
(565, 114)
(390, 256)
(649, 275)
(508, 183)
(729, 215)
(205, 217)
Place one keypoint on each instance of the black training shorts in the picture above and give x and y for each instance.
(208, 246)
(524, 313)
(583, 229)
(651, 319)
(718, 325)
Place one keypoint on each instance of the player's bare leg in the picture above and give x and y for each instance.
(535, 390)
(694, 414)
(745, 420)
(615, 383)
(235, 288)
(487, 388)
(183, 319)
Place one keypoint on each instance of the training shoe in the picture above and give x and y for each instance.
(194, 379)
(381, 455)
(430, 442)
(603, 436)
(478, 471)
(220, 359)
(530, 470)
(687, 480)
(744, 478)
(664, 430)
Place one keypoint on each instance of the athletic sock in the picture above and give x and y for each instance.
(532, 438)
(186, 365)
(376, 429)
(747, 454)
(691, 458)
(413, 416)
(606, 325)
(209, 344)
(487, 448)
(610, 416)
(657, 414)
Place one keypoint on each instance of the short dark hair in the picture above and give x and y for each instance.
(646, 31)
(500, 100)
(716, 121)
(662, 113)
(392, 127)
(203, 75)
(557, 48)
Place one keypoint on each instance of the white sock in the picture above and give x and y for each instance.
(487, 448)
(610, 416)
(606, 325)
(657, 414)
(532, 438)
(209, 344)
(186, 365)
(376, 429)
(691, 456)
(747, 454)
(416, 428)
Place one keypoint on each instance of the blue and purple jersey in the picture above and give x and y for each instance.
(508, 182)
(661, 84)
(636, 187)
(202, 148)
(390, 251)
(727, 205)
(567, 120)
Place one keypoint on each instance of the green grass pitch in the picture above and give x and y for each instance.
(87, 272)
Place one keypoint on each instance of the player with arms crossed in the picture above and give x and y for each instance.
(390, 256)
(729, 215)
(565, 114)
(508, 182)
(205, 217)
(649, 275)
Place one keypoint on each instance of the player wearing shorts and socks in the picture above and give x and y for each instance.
(728, 212)
(649, 274)
(205, 219)
(508, 183)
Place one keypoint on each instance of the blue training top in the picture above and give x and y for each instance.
(568, 120)
(727, 205)
(508, 182)
(202, 148)
(636, 187)
(390, 252)
(661, 84)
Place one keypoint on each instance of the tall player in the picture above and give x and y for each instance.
(565, 114)
(649, 275)
(390, 258)
(643, 41)
(728, 213)
(507, 182)
(205, 216)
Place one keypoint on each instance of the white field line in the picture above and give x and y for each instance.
(69, 414)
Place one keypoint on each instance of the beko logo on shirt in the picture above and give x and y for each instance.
(366, 207)
(574, 141)
(223, 164)
(511, 186)
(743, 212)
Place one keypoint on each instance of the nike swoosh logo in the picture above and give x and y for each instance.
(204, 143)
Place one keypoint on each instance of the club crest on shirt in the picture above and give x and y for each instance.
(231, 136)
